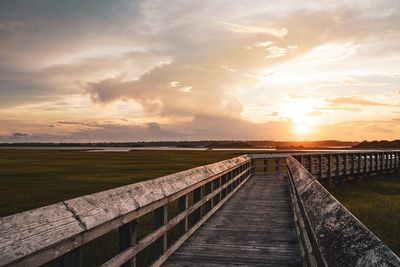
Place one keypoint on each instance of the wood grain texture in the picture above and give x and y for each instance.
(339, 238)
(22, 234)
(254, 228)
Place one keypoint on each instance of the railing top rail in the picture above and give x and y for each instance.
(58, 228)
(314, 152)
(339, 238)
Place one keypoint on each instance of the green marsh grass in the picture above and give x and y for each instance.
(376, 203)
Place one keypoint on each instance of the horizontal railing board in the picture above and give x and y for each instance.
(315, 153)
(342, 240)
(101, 207)
(25, 233)
(56, 229)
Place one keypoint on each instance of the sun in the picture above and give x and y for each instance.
(302, 114)
(302, 129)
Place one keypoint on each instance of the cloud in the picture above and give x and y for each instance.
(354, 100)
(276, 51)
(314, 113)
(268, 28)
(17, 135)
(264, 44)
(186, 65)
(89, 124)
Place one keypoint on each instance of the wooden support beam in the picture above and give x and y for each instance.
(338, 164)
(387, 160)
(320, 161)
(391, 160)
(365, 163)
(329, 166)
(310, 164)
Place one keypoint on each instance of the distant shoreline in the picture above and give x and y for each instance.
(209, 145)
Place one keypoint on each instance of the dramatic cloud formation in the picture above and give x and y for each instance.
(156, 70)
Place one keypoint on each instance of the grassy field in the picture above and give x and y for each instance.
(377, 204)
(34, 178)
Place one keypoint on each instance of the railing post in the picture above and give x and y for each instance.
(338, 165)
(183, 204)
(386, 160)
(352, 164)
(391, 160)
(218, 196)
(320, 166)
(160, 218)
(365, 162)
(345, 164)
(329, 166)
(126, 239)
(71, 259)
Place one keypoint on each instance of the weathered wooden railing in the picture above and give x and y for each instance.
(37, 236)
(59, 231)
(344, 164)
(330, 235)
(328, 166)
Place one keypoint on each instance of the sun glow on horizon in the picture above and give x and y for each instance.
(302, 113)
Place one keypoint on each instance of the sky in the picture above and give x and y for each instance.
(97, 70)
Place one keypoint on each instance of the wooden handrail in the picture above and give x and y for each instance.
(330, 235)
(40, 235)
(37, 236)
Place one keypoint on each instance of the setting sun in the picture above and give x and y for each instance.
(303, 114)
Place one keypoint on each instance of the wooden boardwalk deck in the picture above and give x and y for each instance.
(254, 228)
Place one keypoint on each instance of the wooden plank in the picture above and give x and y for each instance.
(22, 234)
(180, 241)
(146, 241)
(262, 234)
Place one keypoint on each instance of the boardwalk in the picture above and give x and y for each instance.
(254, 228)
